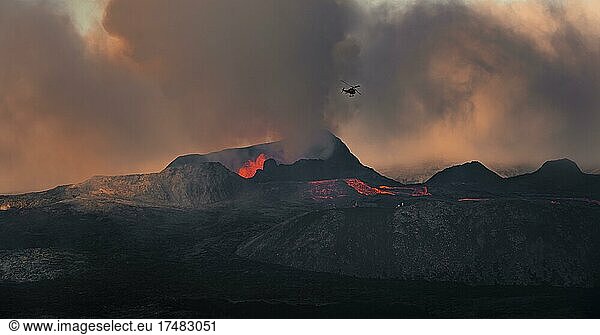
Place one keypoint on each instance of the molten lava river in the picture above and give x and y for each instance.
(248, 170)
(364, 189)
(330, 189)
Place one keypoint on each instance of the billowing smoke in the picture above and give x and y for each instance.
(498, 82)
(156, 80)
(66, 111)
(503, 83)
(234, 69)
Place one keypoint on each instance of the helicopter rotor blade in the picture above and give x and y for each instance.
(357, 91)
(355, 86)
(345, 82)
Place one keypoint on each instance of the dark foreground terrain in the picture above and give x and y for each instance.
(322, 237)
(168, 263)
(58, 262)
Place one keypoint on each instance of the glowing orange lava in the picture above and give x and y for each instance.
(330, 189)
(248, 170)
(364, 189)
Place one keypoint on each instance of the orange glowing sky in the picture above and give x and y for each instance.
(86, 90)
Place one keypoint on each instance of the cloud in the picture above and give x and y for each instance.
(66, 112)
(502, 82)
(234, 69)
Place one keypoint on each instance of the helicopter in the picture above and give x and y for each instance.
(351, 90)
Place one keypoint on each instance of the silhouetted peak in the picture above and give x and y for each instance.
(471, 172)
(270, 164)
(559, 167)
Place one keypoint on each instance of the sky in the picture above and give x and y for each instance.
(124, 86)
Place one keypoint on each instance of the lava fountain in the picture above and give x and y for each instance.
(249, 168)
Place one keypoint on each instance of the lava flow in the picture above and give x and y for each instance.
(248, 170)
(413, 191)
(364, 189)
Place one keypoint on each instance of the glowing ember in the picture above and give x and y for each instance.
(473, 199)
(248, 170)
(364, 189)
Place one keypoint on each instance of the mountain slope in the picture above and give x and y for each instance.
(507, 242)
(185, 186)
(188, 186)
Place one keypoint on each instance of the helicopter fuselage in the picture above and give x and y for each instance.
(350, 91)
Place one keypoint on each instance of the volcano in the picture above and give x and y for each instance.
(315, 145)
(326, 157)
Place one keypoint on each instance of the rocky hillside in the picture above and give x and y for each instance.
(186, 186)
(508, 242)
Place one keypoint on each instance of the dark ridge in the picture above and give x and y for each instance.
(562, 177)
(559, 168)
(468, 173)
